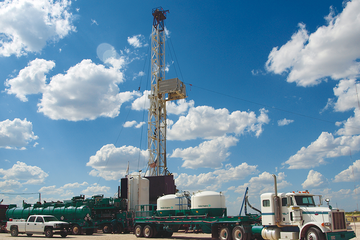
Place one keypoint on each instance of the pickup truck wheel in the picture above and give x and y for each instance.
(14, 232)
(314, 234)
(225, 234)
(49, 232)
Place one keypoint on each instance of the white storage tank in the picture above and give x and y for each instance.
(171, 204)
(138, 191)
(208, 202)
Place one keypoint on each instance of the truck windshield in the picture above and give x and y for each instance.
(305, 201)
(48, 219)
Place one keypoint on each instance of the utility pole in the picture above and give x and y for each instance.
(161, 91)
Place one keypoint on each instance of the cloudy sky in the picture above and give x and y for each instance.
(272, 89)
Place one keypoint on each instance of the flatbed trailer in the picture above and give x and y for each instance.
(148, 224)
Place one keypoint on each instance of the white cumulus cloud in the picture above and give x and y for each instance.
(326, 146)
(136, 41)
(111, 162)
(351, 174)
(85, 92)
(214, 180)
(332, 50)
(16, 134)
(31, 79)
(315, 180)
(27, 26)
(284, 122)
(209, 154)
(25, 173)
(207, 122)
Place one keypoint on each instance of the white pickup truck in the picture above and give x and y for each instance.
(38, 224)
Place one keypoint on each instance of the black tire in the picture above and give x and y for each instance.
(138, 231)
(225, 233)
(314, 234)
(89, 231)
(238, 233)
(148, 231)
(29, 234)
(49, 232)
(63, 235)
(76, 230)
(107, 229)
(14, 232)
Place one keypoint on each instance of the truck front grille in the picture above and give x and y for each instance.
(338, 221)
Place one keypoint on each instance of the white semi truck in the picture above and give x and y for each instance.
(296, 216)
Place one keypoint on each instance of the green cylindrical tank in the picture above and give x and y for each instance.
(257, 229)
(64, 213)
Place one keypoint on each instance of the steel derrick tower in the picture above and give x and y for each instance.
(161, 91)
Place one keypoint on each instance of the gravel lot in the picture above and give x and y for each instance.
(100, 236)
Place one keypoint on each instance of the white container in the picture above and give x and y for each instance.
(138, 191)
(172, 202)
(207, 199)
(208, 203)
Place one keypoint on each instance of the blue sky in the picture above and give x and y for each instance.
(272, 89)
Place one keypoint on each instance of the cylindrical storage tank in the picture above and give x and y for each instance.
(138, 191)
(208, 203)
(168, 205)
(19, 213)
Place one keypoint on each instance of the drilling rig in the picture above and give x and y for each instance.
(161, 91)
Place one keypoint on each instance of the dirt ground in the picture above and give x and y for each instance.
(101, 236)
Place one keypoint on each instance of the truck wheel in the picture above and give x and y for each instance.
(76, 229)
(106, 229)
(148, 231)
(138, 231)
(314, 234)
(29, 234)
(14, 232)
(63, 235)
(225, 234)
(49, 232)
(238, 233)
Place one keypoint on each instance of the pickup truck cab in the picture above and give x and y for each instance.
(38, 224)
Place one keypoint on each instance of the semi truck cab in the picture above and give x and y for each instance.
(295, 215)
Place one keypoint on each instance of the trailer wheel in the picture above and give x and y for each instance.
(148, 231)
(14, 232)
(138, 231)
(106, 229)
(76, 229)
(314, 234)
(238, 233)
(225, 234)
(49, 232)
